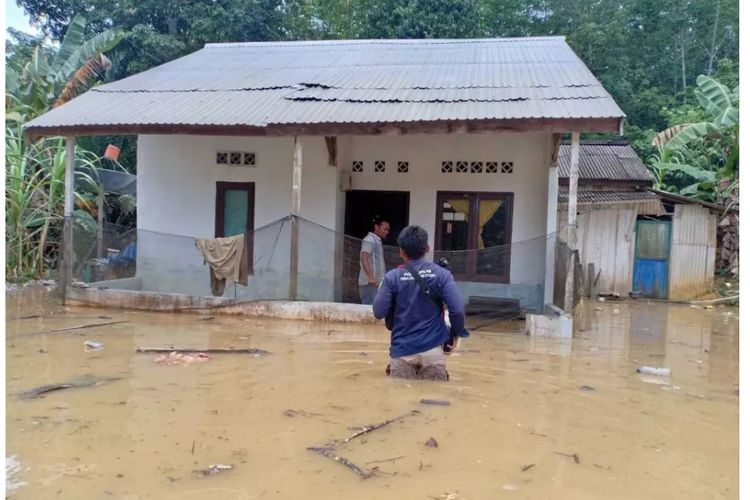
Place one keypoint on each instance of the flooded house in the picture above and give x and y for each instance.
(633, 239)
(297, 145)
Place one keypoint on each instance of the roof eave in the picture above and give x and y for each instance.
(549, 125)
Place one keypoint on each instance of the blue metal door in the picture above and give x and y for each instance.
(653, 238)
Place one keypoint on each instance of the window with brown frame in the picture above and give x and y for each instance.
(473, 231)
(235, 213)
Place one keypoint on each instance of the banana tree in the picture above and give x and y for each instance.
(723, 106)
(704, 182)
(49, 80)
(34, 199)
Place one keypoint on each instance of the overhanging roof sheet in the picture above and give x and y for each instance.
(604, 161)
(609, 197)
(332, 82)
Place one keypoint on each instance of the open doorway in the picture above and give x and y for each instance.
(361, 207)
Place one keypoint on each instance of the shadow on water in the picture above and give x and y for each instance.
(537, 417)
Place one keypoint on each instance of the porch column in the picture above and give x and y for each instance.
(296, 212)
(552, 192)
(572, 221)
(67, 250)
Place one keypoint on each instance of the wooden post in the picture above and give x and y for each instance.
(591, 281)
(572, 221)
(100, 223)
(296, 211)
(67, 262)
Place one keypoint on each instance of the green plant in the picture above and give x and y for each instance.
(50, 78)
(34, 200)
(35, 172)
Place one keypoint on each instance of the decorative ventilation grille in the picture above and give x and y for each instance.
(235, 158)
(403, 166)
(380, 166)
(475, 167)
(357, 166)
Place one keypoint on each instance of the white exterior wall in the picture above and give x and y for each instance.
(530, 155)
(177, 178)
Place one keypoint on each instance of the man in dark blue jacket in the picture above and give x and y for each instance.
(420, 338)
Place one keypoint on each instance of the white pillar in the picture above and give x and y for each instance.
(572, 221)
(67, 262)
(549, 272)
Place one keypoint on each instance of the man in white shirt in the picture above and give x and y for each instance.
(372, 261)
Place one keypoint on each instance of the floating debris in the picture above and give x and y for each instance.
(93, 346)
(12, 468)
(295, 413)
(651, 370)
(214, 469)
(79, 327)
(213, 350)
(40, 391)
(527, 467)
(574, 456)
(431, 443)
(586, 388)
(435, 402)
(177, 358)
(329, 452)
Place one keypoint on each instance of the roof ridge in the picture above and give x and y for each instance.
(385, 41)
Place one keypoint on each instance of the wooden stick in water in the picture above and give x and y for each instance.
(328, 452)
(212, 350)
(369, 428)
(81, 327)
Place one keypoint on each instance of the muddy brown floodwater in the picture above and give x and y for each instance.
(528, 418)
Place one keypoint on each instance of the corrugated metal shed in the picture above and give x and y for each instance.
(605, 239)
(693, 253)
(272, 84)
(604, 161)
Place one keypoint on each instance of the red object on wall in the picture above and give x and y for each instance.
(112, 152)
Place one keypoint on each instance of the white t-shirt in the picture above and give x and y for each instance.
(373, 246)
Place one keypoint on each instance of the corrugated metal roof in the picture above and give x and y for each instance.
(370, 81)
(609, 197)
(604, 161)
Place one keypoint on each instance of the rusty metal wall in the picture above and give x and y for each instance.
(693, 253)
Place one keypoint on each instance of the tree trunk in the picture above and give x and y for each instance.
(682, 59)
(712, 51)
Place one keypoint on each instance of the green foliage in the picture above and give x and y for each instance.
(709, 148)
(34, 198)
(34, 86)
(647, 54)
(35, 184)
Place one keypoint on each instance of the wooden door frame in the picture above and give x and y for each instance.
(504, 277)
(668, 260)
(221, 188)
